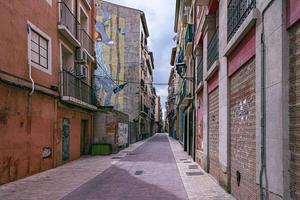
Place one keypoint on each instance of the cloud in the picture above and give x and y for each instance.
(160, 20)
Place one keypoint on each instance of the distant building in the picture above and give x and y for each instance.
(124, 57)
(170, 105)
(158, 115)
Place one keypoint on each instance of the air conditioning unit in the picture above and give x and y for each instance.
(81, 56)
(81, 71)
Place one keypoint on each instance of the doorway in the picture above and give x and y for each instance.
(84, 148)
(185, 131)
(66, 139)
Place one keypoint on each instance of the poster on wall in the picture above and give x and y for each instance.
(122, 134)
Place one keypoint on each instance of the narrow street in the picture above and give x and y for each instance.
(154, 169)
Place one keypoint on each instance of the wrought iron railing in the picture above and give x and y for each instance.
(188, 34)
(213, 50)
(200, 72)
(237, 11)
(86, 41)
(183, 90)
(68, 19)
(77, 88)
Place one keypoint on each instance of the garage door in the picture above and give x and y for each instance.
(213, 133)
(242, 130)
(295, 111)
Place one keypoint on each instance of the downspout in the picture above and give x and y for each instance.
(263, 169)
(29, 59)
(194, 82)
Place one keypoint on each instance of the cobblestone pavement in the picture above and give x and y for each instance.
(150, 170)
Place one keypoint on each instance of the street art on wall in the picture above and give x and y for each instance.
(109, 48)
(122, 134)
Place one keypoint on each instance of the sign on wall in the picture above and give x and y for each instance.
(122, 134)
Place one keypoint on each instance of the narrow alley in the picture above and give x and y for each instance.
(157, 169)
(149, 99)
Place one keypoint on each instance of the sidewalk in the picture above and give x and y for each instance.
(156, 168)
(58, 182)
(198, 184)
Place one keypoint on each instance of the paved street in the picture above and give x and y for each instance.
(154, 169)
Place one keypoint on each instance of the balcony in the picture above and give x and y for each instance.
(76, 91)
(87, 43)
(180, 65)
(189, 39)
(68, 24)
(184, 97)
(183, 91)
(88, 3)
(213, 50)
(200, 72)
(237, 11)
(144, 110)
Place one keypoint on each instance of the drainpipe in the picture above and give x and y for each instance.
(29, 59)
(263, 169)
(194, 82)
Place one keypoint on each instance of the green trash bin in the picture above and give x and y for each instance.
(101, 149)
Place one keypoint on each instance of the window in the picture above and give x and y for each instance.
(49, 2)
(39, 49)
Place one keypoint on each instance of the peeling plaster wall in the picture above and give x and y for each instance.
(26, 128)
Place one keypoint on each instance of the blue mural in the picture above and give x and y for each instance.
(103, 82)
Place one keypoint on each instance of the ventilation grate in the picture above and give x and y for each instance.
(193, 166)
(194, 173)
(116, 158)
(139, 172)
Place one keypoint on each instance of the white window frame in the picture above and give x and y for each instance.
(49, 50)
(49, 2)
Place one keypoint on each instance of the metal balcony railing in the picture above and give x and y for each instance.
(183, 91)
(200, 72)
(213, 50)
(86, 41)
(77, 88)
(237, 11)
(188, 34)
(68, 19)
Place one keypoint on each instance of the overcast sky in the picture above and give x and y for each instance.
(160, 20)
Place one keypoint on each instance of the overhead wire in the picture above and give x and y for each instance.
(134, 82)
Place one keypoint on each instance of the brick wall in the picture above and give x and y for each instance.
(242, 129)
(213, 133)
(294, 103)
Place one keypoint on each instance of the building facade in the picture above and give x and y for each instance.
(46, 80)
(243, 69)
(158, 115)
(124, 58)
(170, 105)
